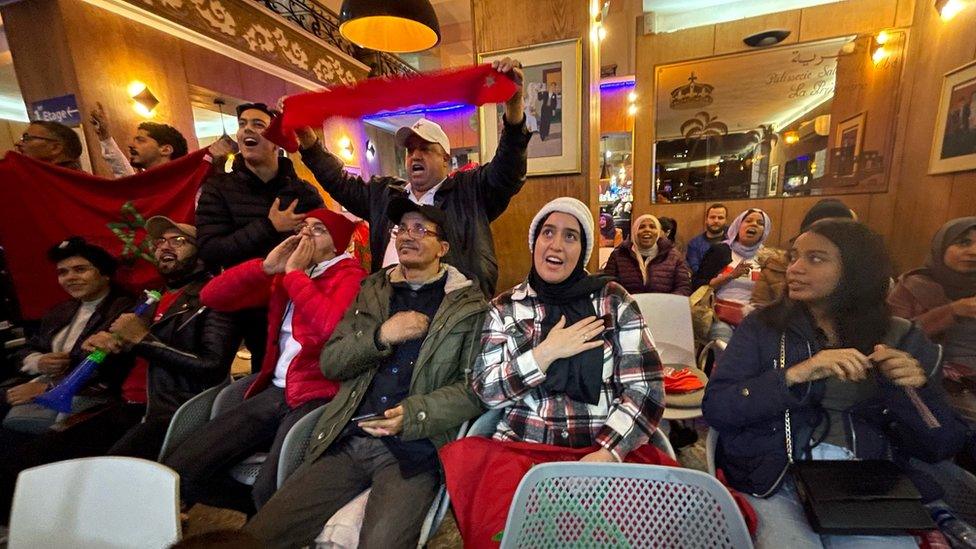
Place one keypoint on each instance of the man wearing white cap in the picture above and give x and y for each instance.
(471, 200)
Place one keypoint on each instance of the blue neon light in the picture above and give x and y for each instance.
(421, 110)
(620, 84)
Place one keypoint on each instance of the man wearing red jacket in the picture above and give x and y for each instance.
(307, 282)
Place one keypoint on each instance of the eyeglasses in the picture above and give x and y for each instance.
(417, 231)
(315, 230)
(175, 242)
(26, 137)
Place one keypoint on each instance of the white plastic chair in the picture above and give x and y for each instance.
(622, 505)
(668, 317)
(103, 502)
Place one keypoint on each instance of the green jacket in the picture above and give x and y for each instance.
(440, 391)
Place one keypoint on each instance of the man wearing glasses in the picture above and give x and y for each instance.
(402, 353)
(306, 283)
(51, 142)
(189, 347)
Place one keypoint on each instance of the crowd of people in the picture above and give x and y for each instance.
(824, 344)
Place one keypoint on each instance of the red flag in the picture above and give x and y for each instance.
(482, 474)
(475, 85)
(42, 204)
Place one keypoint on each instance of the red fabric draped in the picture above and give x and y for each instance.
(475, 85)
(482, 475)
(42, 204)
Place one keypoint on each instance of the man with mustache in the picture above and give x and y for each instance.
(470, 199)
(244, 214)
(153, 145)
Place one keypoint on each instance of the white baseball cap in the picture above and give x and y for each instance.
(429, 131)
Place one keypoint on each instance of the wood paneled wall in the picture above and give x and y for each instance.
(916, 204)
(919, 89)
(94, 54)
(506, 24)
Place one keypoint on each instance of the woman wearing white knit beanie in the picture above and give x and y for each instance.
(567, 356)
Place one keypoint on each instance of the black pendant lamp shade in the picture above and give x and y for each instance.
(396, 26)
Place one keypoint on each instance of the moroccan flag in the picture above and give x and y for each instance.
(475, 85)
(42, 204)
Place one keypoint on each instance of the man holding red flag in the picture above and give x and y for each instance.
(471, 199)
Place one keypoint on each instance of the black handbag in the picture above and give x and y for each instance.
(854, 497)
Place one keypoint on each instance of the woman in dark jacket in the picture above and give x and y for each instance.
(941, 298)
(649, 263)
(848, 365)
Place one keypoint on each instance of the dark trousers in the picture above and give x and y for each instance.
(254, 327)
(208, 454)
(395, 510)
(92, 437)
(144, 440)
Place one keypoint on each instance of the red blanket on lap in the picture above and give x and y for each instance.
(482, 475)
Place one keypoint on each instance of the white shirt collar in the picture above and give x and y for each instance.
(319, 268)
(427, 198)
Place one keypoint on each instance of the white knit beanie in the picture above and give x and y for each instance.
(574, 208)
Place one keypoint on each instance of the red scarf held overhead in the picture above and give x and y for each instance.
(42, 204)
(475, 85)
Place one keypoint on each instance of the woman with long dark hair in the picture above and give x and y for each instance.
(831, 354)
(941, 298)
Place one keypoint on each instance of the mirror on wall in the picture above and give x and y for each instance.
(616, 190)
(798, 120)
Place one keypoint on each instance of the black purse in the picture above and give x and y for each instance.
(854, 497)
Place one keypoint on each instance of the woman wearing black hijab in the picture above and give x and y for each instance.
(567, 355)
(941, 298)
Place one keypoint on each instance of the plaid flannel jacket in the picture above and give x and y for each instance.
(507, 376)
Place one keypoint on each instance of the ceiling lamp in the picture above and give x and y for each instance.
(949, 8)
(396, 26)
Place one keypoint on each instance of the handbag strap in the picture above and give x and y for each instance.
(788, 429)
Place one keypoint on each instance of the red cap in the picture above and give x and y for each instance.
(340, 228)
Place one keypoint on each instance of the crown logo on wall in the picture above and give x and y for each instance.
(693, 95)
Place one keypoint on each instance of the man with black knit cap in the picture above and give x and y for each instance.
(246, 213)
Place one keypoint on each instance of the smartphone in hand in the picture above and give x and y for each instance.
(368, 417)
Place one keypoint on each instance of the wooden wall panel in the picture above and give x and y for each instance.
(505, 24)
(613, 111)
(728, 37)
(857, 17)
(213, 71)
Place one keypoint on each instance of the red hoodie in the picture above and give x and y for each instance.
(320, 304)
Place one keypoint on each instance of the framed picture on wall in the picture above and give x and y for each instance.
(954, 146)
(849, 137)
(552, 92)
(773, 184)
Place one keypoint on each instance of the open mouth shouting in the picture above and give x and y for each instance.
(417, 170)
(250, 141)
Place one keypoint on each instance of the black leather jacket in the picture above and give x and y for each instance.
(471, 200)
(189, 350)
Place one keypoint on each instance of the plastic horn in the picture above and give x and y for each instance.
(60, 396)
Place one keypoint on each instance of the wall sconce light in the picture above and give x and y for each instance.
(370, 150)
(632, 103)
(791, 137)
(949, 8)
(144, 100)
(346, 149)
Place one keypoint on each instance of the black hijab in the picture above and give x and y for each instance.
(580, 376)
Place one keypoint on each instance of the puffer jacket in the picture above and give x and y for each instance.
(667, 273)
(747, 395)
(440, 397)
(189, 349)
(471, 199)
(319, 304)
(232, 212)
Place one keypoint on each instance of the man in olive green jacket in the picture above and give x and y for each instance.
(404, 353)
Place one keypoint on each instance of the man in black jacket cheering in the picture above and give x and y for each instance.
(471, 200)
(246, 213)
